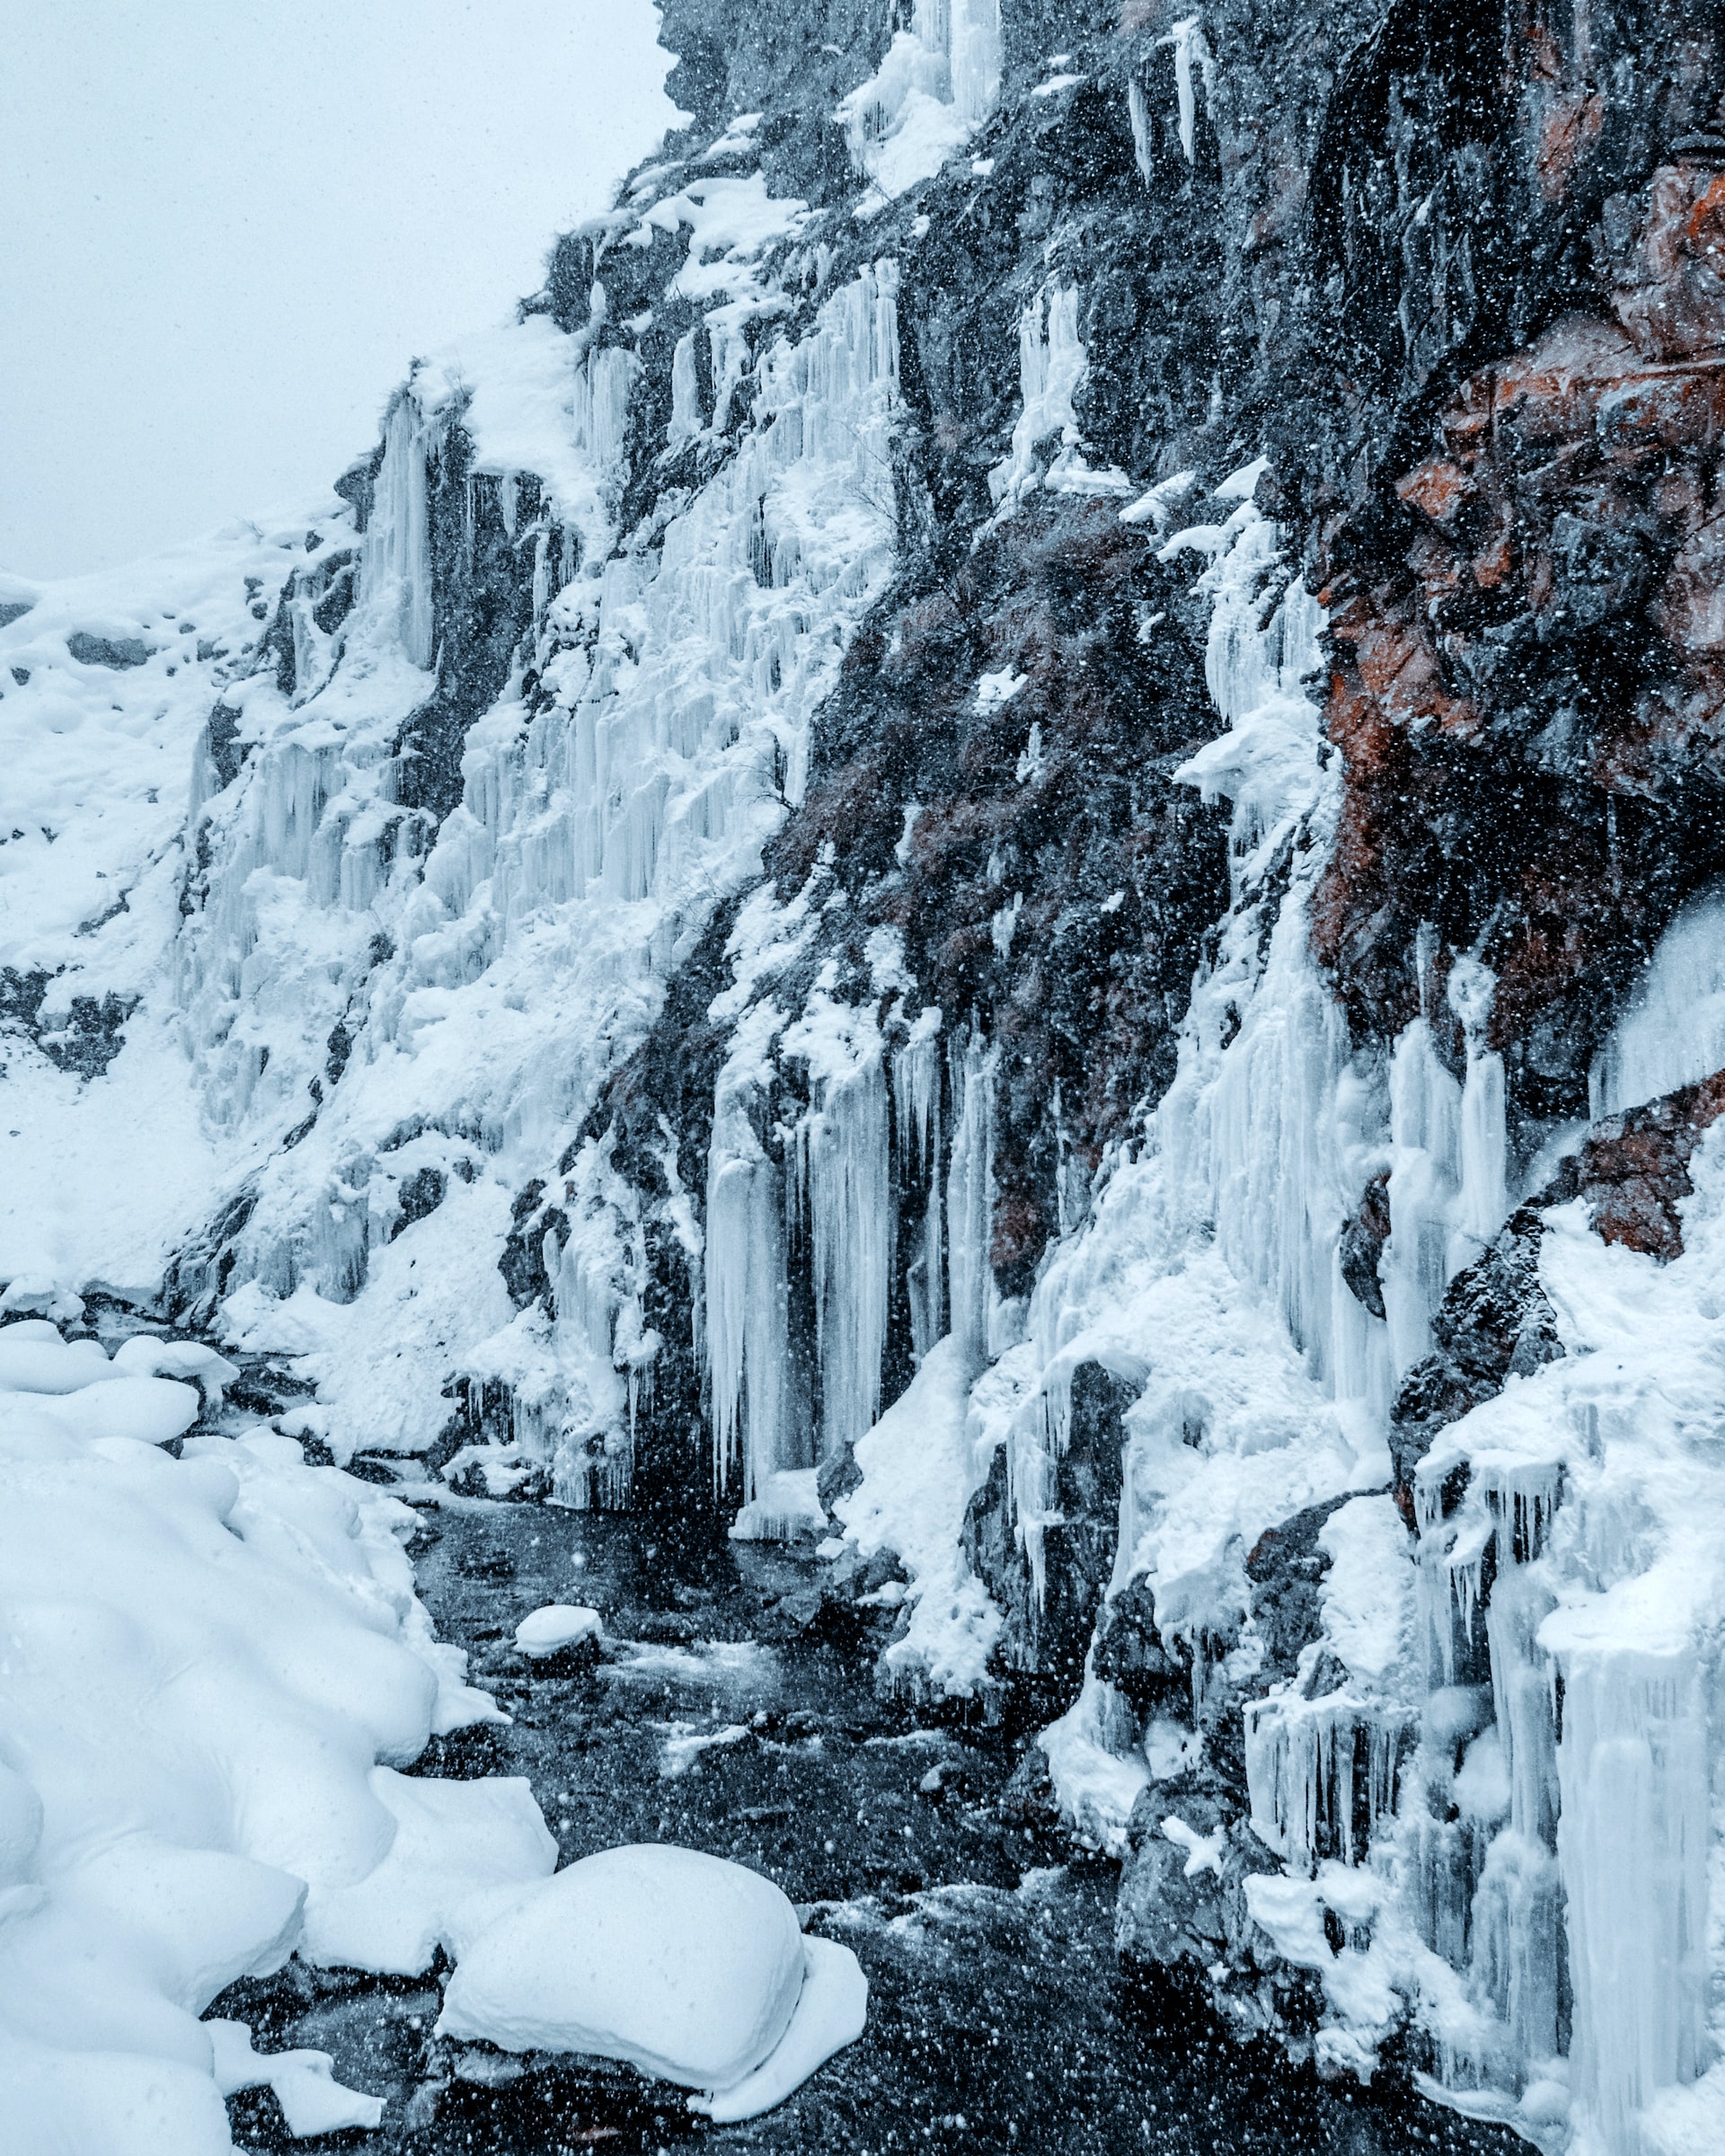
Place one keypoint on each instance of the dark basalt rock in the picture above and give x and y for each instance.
(1363, 1239)
(222, 744)
(483, 545)
(1284, 1569)
(1047, 1634)
(1179, 1912)
(86, 1041)
(117, 652)
(1130, 1654)
(1496, 1320)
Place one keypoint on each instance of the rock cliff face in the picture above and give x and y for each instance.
(1004, 848)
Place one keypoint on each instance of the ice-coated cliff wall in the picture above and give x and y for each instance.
(1003, 847)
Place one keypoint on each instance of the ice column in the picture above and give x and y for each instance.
(1425, 1140)
(843, 1169)
(685, 394)
(842, 1195)
(971, 1194)
(1189, 43)
(397, 562)
(603, 383)
(747, 1329)
(1673, 1032)
(1632, 1846)
(973, 49)
(916, 1093)
(1485, 1198)
(1051, 365)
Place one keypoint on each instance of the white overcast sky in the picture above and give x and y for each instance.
(227, 225)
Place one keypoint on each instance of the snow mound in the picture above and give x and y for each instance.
(831, 2010)
(548, 1631)
(211, 1665)
(690, 1969)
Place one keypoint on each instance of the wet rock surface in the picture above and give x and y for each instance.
(999, 2017)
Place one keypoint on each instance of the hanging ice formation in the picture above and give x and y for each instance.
(940, 80)
(842, 1201)
(1673, 1032)
(1190, 49)
(1507, 1813)
(348, 949)
(1052, 366)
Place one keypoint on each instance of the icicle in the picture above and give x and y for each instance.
(686, 421)
(1484, 1197)
(973, 55)
(1633, 1847)
(747, 1330)
(1302, 1764)
(971, 1194)
(1189, 43)
(843, 1188)
(916, 1094)
(1052, 364)
(397, 572)
(1672, 1032)
(1425, 1133)
(1138, 112)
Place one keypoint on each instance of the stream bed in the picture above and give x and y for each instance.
(999, 2020)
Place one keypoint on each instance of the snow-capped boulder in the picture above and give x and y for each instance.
(688, 1968)
(555, 1629)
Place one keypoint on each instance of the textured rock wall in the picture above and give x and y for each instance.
(1437, 288)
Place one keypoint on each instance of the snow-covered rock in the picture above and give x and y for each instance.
(557, 1626)
(690, 1969)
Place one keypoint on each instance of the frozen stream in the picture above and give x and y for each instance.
(997, 2018)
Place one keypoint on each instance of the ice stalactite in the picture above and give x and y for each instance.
(916, 1098)
(397, 554)
(1672, 1031)
(1632, 1843)
(746, 1331)
(1138, 112)
(1448, 1188)
(973, 53)
(1483, 1200)
(938, 81)
(1424, 1188)
(686, 420)
(971, 1063)
(604, 380)
(1191, 51)
(842, 1199)
(1319, 1773)
(1052, 366)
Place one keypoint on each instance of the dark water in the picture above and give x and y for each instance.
(998, 2020)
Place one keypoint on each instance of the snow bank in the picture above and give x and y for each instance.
(106, 688)
(213, 1665)
(690, 1969)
